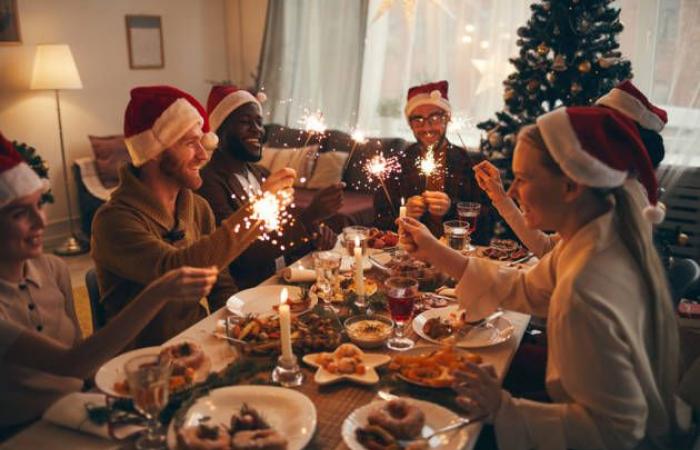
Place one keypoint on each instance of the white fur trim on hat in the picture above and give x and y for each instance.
(427, 99)
(575, 162)
(654, 213)
(18, 182)
(631, 107)
(229, 104)
(173, 123)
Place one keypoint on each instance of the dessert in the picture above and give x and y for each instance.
(346, 359)
(399, 417)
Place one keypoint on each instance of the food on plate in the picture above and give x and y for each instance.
(368, 331)
(399, 417)
(346, 360)
(505, 250)
(374, 437)
(347, 284)
(247, 419)
(382, 239)
(204, 437)
(404, 265)
(297, 304)
(435, 368)
(437, 328)
(183, 356)
(428, 300)
(258, 440)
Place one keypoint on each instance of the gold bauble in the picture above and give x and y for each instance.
(551, 77)
(606, 63)
(584, 66)
(508, 94)
(542, 49)
(683, 239)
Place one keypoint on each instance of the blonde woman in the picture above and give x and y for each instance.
(612, 338)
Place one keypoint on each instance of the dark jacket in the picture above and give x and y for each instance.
(223, 191)
(457, 180)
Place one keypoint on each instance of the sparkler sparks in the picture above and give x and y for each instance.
(427, 164)
(313, 124)
(380, 167)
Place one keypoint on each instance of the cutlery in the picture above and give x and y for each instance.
(522, 260)
(469, 325)
(461, 422)
(442, 297)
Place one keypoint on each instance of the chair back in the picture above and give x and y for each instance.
(682, 275)
(98, 314)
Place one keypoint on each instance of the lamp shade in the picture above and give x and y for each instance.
(54, 68)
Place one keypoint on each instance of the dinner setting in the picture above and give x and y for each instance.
(473, 227)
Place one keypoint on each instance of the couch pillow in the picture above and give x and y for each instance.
(328, 170)
(301, 159)
(110, 153)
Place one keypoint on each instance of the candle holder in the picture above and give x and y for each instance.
(287, 373)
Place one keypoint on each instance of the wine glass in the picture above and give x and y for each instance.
(353, 233)
(402, 293)
(327, 265)
(469, 212)
(149, 385)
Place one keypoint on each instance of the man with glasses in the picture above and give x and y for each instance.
(433, 198)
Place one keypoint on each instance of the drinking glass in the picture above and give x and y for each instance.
(327, 265)
(456, 234)
(402, 293)
(350, 234)
(469, 212)
(149, 385)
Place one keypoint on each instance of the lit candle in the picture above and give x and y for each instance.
(285, 326)
(402, 209)
(402, 214)
(359, 281)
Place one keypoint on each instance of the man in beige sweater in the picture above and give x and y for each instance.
(154, 222)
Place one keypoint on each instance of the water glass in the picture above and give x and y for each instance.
(457, 234)
(469, 212)
(149, 385)
(353, 233)
(327, 265)
(402, 293)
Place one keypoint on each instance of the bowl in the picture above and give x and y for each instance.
(369, 331)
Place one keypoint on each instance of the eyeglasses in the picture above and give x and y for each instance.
(433, 119)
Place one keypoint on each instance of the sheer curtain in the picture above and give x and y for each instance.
(312, 59)
(467, 42)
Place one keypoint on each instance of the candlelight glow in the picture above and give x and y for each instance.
(283, 296)
(357, 241)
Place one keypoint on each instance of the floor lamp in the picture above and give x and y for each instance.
(55, 69)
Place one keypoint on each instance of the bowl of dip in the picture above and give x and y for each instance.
(369, 331)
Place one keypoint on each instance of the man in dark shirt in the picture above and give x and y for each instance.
(433, 199)
(230, 177)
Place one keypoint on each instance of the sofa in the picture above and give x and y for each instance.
(319, 159)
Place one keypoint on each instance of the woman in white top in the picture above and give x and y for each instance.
(42, 353)
(612, 338)
(624, 98)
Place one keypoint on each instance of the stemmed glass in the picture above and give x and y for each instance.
(469, 212)
(402, 293)
(355, 232)
(327, 265)
(149, 385)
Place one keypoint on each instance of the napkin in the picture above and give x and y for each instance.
(298, 275)
(71, 412)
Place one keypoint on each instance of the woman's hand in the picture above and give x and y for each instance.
(438, 202)
(478, 390)
(417, 239)
(489, 180)
(415, 206)
(280, 180)
(185, 283)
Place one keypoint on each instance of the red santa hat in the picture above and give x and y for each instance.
(428, 94)
(157, 116)
(17, 179)
(223, 100)
(628, 100)
(599, 147)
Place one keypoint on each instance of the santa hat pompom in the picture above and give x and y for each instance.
(210, 141)
(435, 94)
(654, 213)
(428, 94)
(262, 98)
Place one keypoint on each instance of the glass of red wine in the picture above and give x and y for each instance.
(402, 293)
(469, 212)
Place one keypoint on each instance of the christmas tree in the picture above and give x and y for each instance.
(568, 56)
(37, 163)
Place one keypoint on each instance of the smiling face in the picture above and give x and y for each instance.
(182, 161)
(428, 123)
(22, 224)
(242, 132)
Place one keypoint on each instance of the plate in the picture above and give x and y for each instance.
(435, 417)
(261, 300)
(370, 360)
(112, 371)
(443, 382)
(500, 331)
(289, 412)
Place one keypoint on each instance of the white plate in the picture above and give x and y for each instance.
(112, 371)
(435, 417)
(370, 360)
(289, 412)
(261, 300)
(500, 331)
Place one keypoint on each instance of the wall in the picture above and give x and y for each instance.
(194, 40)
(245, 30)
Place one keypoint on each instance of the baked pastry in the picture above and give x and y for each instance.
(400, 418)
(266, 439)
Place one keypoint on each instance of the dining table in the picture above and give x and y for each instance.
(333, 403)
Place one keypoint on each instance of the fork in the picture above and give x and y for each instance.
(461, 422)
(522, 260)
(469, 325)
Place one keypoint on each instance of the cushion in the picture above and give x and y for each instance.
(110, 153)
(328, 170)
(300, 159)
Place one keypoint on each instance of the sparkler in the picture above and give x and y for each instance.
(313, 124)
(428, 165)
(380, 168)
(358, 138)
(271, 211)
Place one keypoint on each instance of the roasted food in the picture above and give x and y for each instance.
(435, 368)
(382, 239)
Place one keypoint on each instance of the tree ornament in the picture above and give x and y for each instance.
(559, 63)
(576, 88)
(584, 66)
(542, 49)
(532, 85)
(495, 139)
(683, 239)
(508, 94)
(606, 63)
(551, 77)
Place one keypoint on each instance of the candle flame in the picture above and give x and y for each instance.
(357, 241)
(402, 201)
(283, 296)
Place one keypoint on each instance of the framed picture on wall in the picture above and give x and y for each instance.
(9, 22)
(144, 38)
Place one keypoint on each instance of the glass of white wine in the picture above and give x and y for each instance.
(149, 385)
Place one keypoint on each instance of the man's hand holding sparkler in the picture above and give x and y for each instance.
(437, 202)
(279, 181)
